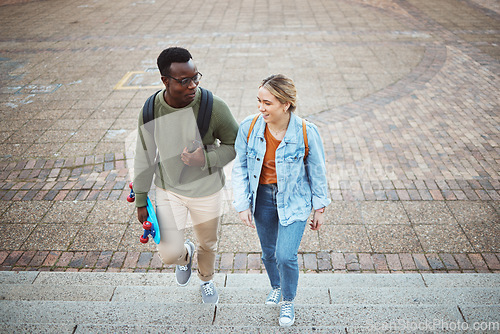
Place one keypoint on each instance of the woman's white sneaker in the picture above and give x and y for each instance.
(274, 297)
(287, 314)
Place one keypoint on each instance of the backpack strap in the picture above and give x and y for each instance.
(251, 126)
(205, 111)
(304, 131)
(148, 112)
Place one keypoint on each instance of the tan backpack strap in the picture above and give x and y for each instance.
(251, 126)
(304, 131)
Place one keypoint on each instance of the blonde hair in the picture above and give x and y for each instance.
(282, 88)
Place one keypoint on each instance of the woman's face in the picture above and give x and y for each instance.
(271, 109)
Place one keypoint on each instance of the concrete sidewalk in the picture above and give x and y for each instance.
(152, 303)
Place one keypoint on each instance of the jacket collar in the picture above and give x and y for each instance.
(291, 132)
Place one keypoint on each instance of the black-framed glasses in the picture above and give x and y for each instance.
(186, 81)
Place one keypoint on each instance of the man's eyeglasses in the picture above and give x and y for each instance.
(186, 81)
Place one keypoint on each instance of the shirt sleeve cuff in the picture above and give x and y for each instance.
(319, 203)
(141, 200)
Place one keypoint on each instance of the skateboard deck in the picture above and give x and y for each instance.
(150, 226)
(154, 229)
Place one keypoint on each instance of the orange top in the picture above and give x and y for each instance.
(268, 173)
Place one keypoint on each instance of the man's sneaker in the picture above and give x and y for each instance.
(183, 273)
(208, 293)
(274, 297)
(287, 314)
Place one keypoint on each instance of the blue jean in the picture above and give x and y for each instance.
(280, 244)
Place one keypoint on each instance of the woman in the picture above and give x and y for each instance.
(278, 176)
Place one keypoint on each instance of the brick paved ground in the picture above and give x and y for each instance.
(405, 94)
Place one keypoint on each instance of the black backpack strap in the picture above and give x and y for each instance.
(148, 112)
(205, 111)
(204, 115)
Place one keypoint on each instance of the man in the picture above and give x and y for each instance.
(187, 169)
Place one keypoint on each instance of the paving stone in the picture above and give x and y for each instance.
(344, 238)
(436, 238)
(396, 238)
(383, 213)
(433, 212)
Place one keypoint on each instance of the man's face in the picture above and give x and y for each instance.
(178, 95)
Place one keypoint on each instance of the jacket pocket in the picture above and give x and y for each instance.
(295, 163)
(251, 160)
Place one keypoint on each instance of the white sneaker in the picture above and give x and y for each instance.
(287, 314)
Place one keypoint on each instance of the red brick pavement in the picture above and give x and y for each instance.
(106, 177)
(320, 262)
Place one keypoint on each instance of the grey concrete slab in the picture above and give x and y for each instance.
(336, 315)
(247, 315)
(462, 280)
(18, 277)
(37, 328)
(75, 312)
(158, 294)
(86, 328)
(380, 280)
(319, 280)
(257, 295)
(55, 292)
(247, 280)
(117, 279)
(415, 296)
(487, 317)
(249, 295)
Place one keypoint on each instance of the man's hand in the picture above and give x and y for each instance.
(195, 159)
(246, 217)
(142, 214)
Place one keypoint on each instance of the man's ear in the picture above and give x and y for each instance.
(165, 80)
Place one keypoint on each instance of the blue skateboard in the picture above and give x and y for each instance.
(150, 226)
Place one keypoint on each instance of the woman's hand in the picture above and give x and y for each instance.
(246, 217)
(317, 220)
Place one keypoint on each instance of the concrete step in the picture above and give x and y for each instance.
(326, 303)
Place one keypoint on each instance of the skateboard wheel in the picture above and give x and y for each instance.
(131, 185)
(130, 199)
(144, 240)
(147, 225)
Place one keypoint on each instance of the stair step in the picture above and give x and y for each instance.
(172, 314)
(138, 302)
(253, 280)
(172, 329)
(191, 294)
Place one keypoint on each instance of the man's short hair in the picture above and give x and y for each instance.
(172, 55)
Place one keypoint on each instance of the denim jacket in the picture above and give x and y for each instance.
(302, 185)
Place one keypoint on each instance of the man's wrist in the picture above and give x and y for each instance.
(321, 210)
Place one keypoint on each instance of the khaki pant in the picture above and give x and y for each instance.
(172, 211)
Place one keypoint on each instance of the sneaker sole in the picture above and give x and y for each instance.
(288, 324)
(271, 303)
(216, 302)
